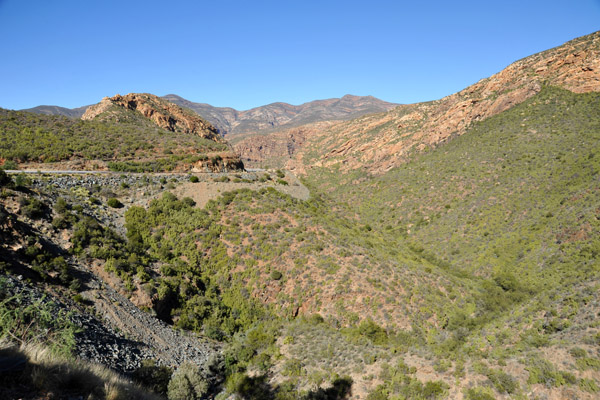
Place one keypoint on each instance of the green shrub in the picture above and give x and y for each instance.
(588, 385)
(114, 203)
(22, 181)
(31, 320)
(479, 393)
(585, 363)
(153, 377)
(503, 382)
(276, 275)
(78, 298)
(378, 394)
(61, 206)
(10, 165)
(544, 372)
(194, 179)
(32, 207)
(188, 202)
(578, 352)
(187, 383)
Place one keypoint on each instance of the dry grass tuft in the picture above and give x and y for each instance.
(33, 370)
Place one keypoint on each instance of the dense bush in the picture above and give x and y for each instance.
(114, 203)
(32, 207)
(187, 383)
(9, 165)
(153, 377)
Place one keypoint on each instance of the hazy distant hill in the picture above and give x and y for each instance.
(56, 110)
(283, 115)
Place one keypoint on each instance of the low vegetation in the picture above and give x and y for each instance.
(28, 137)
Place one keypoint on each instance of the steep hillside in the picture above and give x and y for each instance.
(53, 142)
(513, 201)
(511, 183)
(278, 116)
(295, 256)
(63, 314)
(135, 133)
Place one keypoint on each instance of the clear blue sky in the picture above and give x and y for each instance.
(245, 54)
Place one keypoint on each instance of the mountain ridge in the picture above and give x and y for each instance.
(277, 115)
(58, 110)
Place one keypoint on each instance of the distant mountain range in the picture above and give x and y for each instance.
(271, 117)
(57, 110)
(282, 115)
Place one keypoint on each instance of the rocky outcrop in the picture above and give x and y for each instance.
(276, 149)
(162, 113)
(219, 162)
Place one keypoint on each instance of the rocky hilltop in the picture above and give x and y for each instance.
(282, 115)
(164, 114)
(381, 141)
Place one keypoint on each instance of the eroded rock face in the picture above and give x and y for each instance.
(277, 148)
(219, 162)
(163, 113)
